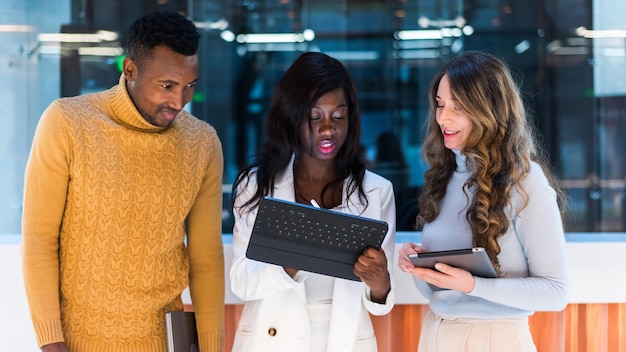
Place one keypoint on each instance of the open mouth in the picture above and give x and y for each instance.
(326, 146)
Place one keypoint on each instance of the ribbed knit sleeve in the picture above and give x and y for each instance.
(204, 233)
(46, 182)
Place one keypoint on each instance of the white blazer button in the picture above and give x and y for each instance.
(271, 331)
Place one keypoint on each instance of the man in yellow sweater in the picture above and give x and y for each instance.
(114, 182)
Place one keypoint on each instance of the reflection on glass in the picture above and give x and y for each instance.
(568, 57)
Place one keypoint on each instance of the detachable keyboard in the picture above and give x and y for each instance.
(312, 239)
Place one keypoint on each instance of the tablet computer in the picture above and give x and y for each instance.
(475, 260)
(314, 239)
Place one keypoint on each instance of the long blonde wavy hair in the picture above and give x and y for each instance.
(499, 148)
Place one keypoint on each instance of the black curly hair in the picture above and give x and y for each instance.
(161, 28)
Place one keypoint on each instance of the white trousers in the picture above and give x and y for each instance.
(475, 335)
(319, 318)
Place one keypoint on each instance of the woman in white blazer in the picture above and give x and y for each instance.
(312, 152)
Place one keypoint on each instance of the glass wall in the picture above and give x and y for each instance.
(568, 54)
(30, 77)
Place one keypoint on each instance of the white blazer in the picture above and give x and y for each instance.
(274, 316)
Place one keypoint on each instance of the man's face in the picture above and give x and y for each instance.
(161, 85)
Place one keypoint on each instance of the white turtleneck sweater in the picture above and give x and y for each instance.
(533, 253)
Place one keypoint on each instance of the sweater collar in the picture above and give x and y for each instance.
(461, 161)
(124, 111)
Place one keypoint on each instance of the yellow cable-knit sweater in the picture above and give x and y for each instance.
(108, 200)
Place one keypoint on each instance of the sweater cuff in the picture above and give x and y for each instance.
(482, 286)
(211, 342)
(49, 332)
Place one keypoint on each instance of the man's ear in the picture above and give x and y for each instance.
(130, 69)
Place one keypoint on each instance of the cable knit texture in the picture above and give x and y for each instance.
(108, 201)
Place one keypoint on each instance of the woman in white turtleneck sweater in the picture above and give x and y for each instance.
(487, 186)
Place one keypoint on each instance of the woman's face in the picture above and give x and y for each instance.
(454, 123)
(329, 126)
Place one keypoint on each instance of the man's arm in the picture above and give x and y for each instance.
(45, 191)
(206, 255)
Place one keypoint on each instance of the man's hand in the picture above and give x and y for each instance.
(54, 347)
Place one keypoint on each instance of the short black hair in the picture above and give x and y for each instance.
(162, 28)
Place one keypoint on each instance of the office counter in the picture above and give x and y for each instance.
(595, 319)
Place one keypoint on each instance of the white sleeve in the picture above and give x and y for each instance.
(387, 214)
(251, 279)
